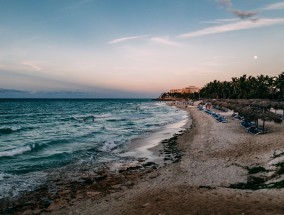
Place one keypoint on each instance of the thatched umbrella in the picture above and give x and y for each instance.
(248, 113)
(263, 104)
(243, 102)
(253, 113)
(231, 106)
(269, 116)
(252, 109)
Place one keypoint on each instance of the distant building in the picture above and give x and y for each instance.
(190, 89)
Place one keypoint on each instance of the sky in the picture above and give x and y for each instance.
(136, 48)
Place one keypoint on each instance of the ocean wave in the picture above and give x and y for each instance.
(4, 131)
(138, 116)
(116, 120)
(129, 124)
(109, 146)
(16, 151)
(31, 147)
(20, 150)
(51, 160)
(155, 124)
(107, 115)
(67, 119)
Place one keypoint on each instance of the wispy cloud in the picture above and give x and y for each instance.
(219, 21)
(164, 41)
(275, 6)
(242, 14)
(241, 25)
(124, 39)
(32, 65)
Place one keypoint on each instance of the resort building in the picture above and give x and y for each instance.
(190, 89)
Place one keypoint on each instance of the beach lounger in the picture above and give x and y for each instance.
(237, 117)
(254, 130)
(246, 124)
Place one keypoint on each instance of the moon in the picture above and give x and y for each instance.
(255, 57)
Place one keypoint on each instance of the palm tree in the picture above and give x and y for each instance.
(279, 83)
(234, 87)
(271, 82)
(252, 83)
(243, 87)
(262, 86)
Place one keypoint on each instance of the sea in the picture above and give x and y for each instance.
(41, 135)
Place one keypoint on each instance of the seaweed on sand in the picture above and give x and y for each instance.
(171, 150)
(275, 155)
(253, 183)
(255, 170)
(252, 170)
(256, 182)
(280, 171)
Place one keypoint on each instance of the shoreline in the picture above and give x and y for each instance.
(214, 157)
(149, 147)
(72, 183)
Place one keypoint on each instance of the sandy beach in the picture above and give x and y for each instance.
(215, 156)
(141, 107)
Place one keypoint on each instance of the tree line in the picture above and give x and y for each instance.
(244, 87)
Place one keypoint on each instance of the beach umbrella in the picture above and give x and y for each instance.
(248, 113)
(264, 104)
(269, 116)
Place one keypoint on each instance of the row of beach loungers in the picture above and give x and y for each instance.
(251, 126)
(218, 117)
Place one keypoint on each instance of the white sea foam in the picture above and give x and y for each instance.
(4, 175)
(108, 146)
(103, 115)
(16, 151)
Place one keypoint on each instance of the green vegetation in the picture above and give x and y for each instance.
(246, 87)
(193, 96)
